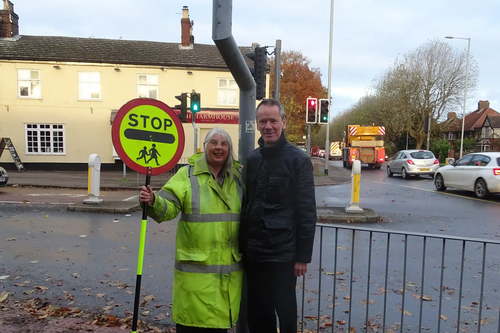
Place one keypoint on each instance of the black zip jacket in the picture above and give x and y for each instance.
(279, 210)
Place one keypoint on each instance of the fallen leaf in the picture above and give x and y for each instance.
(123, 269)
(3, 296)
(11, 239)
(341, 248)
(352, 329)
(101, 295)
(341, 322)
(42, 288)
(406, 312)
(444, 317)
(160, 317)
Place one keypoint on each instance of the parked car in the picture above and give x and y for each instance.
(4, 177)
(322, 153)
(413, 162)
(477, 172)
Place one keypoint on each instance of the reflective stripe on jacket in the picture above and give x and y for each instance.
(208, 272)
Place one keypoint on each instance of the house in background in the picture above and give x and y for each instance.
(473, 128)
(59, 95)
(490, 134)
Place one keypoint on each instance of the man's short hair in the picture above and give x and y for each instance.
(272, 102)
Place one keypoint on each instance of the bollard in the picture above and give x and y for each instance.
(355, 176)
(94, 180)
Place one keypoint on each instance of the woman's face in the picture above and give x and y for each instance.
(217, 150)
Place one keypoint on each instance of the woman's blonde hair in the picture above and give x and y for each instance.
(228, 163)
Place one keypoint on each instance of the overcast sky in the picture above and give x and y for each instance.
(367, 34)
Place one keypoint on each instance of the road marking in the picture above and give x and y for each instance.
(454, 195)
(131, 198)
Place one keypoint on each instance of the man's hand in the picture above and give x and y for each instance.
(147, 195)
(300, 268)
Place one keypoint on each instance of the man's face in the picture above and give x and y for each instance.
(217, 150)
(270, 124)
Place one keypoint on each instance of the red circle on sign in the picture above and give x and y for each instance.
(115, 135)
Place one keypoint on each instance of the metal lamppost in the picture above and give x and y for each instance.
(465, 93)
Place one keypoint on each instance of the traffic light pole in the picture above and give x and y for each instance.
(327, 142)
(195, 130)
(309, 139)
(277, 69)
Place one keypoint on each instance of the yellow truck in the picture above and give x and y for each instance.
(364, 143)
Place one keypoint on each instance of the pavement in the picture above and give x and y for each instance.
(130, 182)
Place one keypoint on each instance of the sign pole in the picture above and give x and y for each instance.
(140, 258)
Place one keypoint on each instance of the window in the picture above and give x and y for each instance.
(29, 83)
(480, 160)
(451, 136)
(47, 139)
(464, 160)
(147, 86)
(422, 155)
(227, 92)
(89, 86)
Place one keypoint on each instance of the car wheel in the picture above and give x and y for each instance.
(481, 189)
(404, 174)
(389, 172)
(439, 183)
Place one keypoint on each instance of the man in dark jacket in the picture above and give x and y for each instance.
(278, 223)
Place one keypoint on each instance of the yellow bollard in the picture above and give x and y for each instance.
(356, 177)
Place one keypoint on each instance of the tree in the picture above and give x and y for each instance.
(298, 82)
(429, 80)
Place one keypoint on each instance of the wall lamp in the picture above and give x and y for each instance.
(57, 67)
(117, 69)
(190, 73)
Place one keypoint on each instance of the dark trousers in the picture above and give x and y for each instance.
(189, 329)
(271, 291)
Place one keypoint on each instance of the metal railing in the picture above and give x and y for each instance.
(374, 280)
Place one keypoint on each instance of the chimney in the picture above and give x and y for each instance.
(9, 26)
(187, 38)
(452, 115)
(483, 105)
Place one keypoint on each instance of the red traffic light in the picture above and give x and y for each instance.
(312, 102)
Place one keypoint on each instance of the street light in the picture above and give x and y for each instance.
(465, 93)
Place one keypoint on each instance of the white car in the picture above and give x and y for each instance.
(477, 172)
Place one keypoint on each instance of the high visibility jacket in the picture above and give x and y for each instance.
(208, 270)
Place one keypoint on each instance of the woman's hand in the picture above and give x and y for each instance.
(147, 195)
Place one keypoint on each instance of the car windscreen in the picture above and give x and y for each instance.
(498, 161)
(422, 155)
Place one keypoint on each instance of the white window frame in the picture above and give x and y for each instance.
(222, 92)
(152, 81)
(451, 135)
(38, 137)
(93, 81)
(29, 82)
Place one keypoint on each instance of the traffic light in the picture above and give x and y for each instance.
(183, 106)
(311, 110)
(195, 102)
(323, 111)
(259, 70)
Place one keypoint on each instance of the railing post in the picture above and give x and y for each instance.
(355, 177)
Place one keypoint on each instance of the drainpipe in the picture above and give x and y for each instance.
(223, 39)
